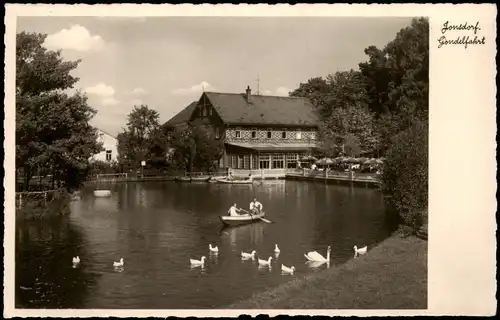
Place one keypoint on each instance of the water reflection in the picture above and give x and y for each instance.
(158, 227)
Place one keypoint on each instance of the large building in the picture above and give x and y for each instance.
(110, 145)
(259, 132)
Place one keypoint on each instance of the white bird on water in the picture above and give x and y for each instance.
(119, 264)
(276, 249)
(245, 255)
(286, 269)
(197, 262)
(315, 256)
(76, 260)
(265, 263)
(360, 250)
(213, 249)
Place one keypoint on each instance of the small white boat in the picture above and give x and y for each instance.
(102, 193)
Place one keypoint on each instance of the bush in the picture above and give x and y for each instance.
(405, 174)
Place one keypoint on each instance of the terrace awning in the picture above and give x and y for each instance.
(273, 146)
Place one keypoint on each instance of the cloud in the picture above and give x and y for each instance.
(110, 102)
(101, 89)
(139, 91)
(266, 92)
(283, 91)
(76, 38)
(198, 88)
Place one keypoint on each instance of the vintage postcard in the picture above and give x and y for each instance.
(219, 160)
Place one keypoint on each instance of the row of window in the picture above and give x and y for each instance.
(298, 134)
(267, 161)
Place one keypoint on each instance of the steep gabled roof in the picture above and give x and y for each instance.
(233, 108)
(181, 117)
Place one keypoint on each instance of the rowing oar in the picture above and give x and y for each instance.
(265, 220)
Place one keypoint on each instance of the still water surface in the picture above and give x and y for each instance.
(158, 226)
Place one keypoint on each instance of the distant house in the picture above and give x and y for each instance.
(110, 145)
(260, 132)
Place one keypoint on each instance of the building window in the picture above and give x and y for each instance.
(108, 155)
(238, 134)
(254, 134)
(298, 135)
(241, 162)
(255, 163)
(278, 161)
(291, 160)
(217, 133)
(313, 135)
(283, 134)
(209, 111)
(264, 162)
(269, 134)
(234, 161)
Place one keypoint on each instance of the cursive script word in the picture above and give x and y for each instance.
(464, 40)
(460, 27)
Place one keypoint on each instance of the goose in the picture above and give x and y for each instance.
(265, 263)
(276, 249)
(198, 262)
(118, 264)
(245, 255)
(213, 249)
(315, 256)
(360, 250)
(76, 260)
(287, 269)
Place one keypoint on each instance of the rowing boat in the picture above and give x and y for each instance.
(241, 219)
(225, 180)
(185, 179)
(102, 193)
(204, 179)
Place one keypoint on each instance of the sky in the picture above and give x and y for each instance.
(167, 62)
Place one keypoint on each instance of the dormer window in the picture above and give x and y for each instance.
(238, 134)
(254, 134)
(283, 134)
(269, 134)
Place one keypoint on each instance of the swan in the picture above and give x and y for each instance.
(360, 250)
(198, 262)
(245, 255)
(265, 262)
(76, 260)
(213, 249)
(315, 256)
(287, 269)
(118, 264)
(317, 264)
(276, 249)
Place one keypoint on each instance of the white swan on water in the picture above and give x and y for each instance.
(286, 269)
(76, 260)
(197, 262)
(265, 263)
(360, 250)
(315, 256)
(245, 255)
(213, 249)
(118, 264)
(276, 249)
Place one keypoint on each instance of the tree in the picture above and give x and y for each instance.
(136, 141)
(196, 146)
(53, 133)
(405, 173)
(316, 90)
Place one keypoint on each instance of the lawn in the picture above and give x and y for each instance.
(392, 275)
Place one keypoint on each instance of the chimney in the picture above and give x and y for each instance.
(248, 93)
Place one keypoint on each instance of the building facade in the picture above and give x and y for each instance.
(259, 132)
(110, 145)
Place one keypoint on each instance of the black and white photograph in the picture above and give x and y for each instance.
(232, 162)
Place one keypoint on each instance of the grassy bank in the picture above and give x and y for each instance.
(392, 275)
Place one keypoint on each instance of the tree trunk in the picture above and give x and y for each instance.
(27, 177)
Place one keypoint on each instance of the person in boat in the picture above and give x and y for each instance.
(233, 211)
(230, 176)
(250, 177)
(257, 206)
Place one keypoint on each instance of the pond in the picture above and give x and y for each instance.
(156, 227)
